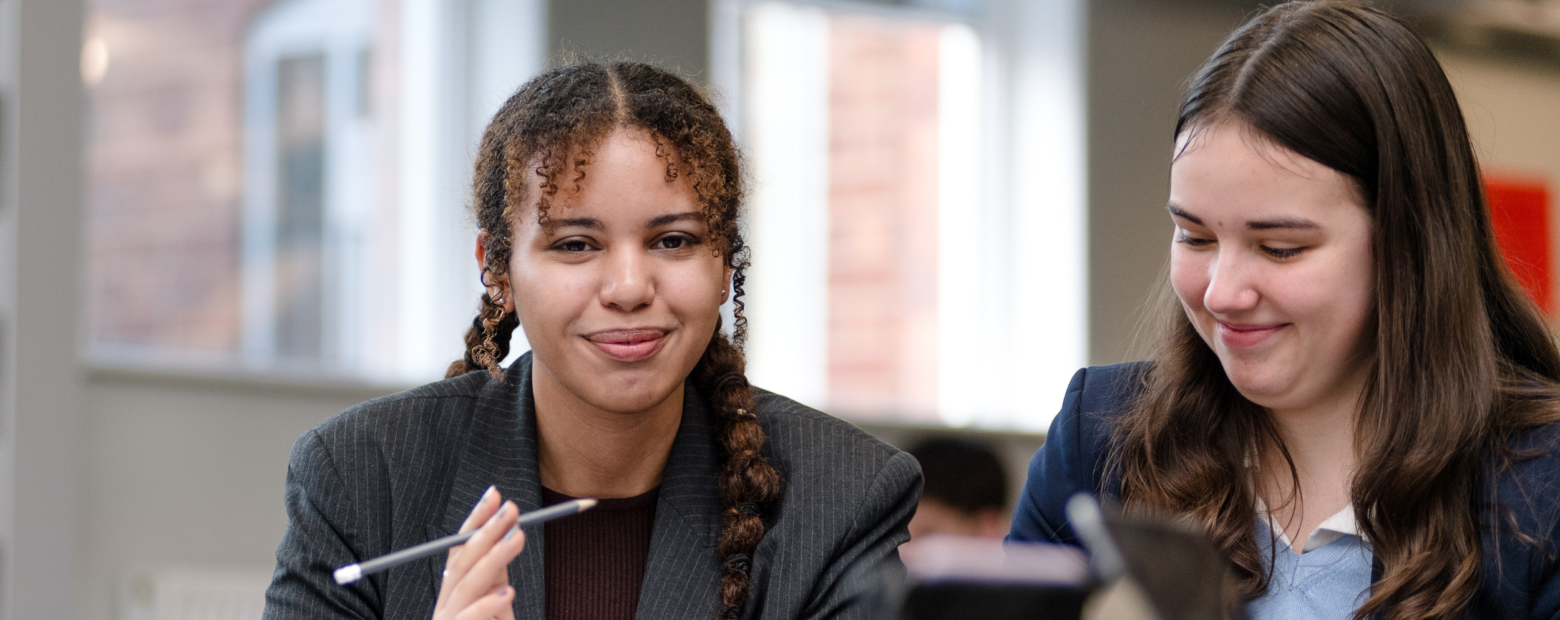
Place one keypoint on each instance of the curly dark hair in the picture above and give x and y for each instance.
(554, 123)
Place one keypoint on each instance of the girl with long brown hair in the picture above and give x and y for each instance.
(607, 196)
(1349, 391)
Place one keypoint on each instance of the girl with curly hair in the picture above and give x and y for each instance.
(607, 197)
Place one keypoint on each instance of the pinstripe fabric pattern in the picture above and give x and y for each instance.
(396, 471)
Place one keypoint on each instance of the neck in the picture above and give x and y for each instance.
(1320, 441)
(585, 451)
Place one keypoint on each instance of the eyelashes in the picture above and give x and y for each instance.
(1282, 252)
(671, 242)
(1195, 242)
(1277, 253)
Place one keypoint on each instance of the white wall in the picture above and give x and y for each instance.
(40, 97)
(184, 471)
(1141, 54)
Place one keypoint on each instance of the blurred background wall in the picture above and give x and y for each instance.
(178, 279)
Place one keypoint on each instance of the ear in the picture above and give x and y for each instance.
(497, 287)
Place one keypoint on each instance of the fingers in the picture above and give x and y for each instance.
(487, 506)
(498, 603)
(482, 564)
(480, 513)
(486, 559)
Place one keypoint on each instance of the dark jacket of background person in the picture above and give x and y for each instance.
(400, 470)
(1520, 580)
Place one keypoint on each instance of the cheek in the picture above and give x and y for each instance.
(1341, 290)
(696, 287)
(1188, 277)
(549, 297)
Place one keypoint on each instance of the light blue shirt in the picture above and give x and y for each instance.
(1327, 582)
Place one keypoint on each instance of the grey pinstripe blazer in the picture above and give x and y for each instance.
(406, 468)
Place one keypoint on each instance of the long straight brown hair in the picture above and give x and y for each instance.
(1463, 361)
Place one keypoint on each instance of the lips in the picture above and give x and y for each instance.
(1241, 336)
(628, 345)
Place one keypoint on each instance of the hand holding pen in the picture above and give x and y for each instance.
(476, 575)
(488, 547)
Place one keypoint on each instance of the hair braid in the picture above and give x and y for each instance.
(748, 483)
(487, 340)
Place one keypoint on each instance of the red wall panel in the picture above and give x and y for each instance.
(1519, 208)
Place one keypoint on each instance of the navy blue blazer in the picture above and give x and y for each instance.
(1521, 580)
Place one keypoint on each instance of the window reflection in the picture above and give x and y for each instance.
(300, 212)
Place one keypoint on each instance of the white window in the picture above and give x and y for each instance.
(357, 260)
(917, 218)
(310, 192)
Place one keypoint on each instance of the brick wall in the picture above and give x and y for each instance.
(165, 172)
(165, 168)
(883, 218)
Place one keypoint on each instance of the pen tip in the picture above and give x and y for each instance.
(587, 504)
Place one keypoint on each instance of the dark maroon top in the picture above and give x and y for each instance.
(595, 561)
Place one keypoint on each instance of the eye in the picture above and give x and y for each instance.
(1282, 253)
(573, 245)
(1196, 242)
(676, 241)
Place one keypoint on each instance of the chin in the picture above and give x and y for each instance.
(633, 397)
(1258, 386)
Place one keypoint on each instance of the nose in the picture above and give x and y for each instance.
(629, 284)
(1232, 283)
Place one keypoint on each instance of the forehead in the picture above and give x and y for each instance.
(1231, 171)
(628, 176)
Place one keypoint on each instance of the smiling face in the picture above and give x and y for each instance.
(1272, 263)
(620, 293)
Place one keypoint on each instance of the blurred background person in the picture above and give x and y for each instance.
(966, 490)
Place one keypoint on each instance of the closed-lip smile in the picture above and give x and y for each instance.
(1243, 335)
(628, 344)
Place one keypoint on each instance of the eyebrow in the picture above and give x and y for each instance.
(595, 224)
(1180, 213)
(1283, 223)
(671, 218)
(1280, 223)
(577, 222)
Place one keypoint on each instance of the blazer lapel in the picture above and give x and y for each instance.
(501, 450)
(682, 576)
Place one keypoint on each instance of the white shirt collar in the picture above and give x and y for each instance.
(1330, 529)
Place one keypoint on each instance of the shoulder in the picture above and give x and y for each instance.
(1529, 485)
(391, 412)
(1073, 458)
(806, 439)
(1106, 389)
(831, 465)
(1522, 559)
(396, 427)
(1095, 396)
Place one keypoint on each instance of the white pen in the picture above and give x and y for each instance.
(353, 572)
